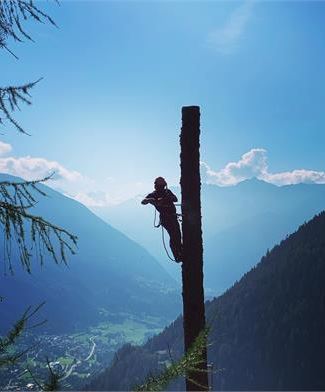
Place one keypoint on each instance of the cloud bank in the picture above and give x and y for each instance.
(109, 191)
(254, 163)
(69, 182)
(31, 168)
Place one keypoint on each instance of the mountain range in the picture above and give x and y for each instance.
(239, 224)
(267, 330)
(110, 274)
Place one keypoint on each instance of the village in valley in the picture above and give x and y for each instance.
(74, 357)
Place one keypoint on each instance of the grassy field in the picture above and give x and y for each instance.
(128, 329)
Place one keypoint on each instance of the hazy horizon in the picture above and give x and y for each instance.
(106, 116)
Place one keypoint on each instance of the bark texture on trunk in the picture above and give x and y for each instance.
(192, 254)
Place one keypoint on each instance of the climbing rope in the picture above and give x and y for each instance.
(154, 221)
(179, 217)
(163, 240)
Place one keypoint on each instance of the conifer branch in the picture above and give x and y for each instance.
(53, 382)
(192, 360)
(7, 342)
(30, 231)
(10, 98)
(13, 14)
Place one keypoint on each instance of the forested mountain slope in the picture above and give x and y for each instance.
(267, 330)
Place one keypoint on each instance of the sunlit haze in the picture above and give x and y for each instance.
(107, 114)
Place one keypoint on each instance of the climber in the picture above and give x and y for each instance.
(163, 199)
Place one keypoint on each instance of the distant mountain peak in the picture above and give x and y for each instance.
(255, 181)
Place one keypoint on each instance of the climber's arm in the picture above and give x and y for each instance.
(147, 200)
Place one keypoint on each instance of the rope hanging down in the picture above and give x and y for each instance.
(163, 240)
(179, 217)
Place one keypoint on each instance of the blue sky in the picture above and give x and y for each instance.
(106, 116)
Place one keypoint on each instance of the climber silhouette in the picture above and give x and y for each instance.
(163, 199)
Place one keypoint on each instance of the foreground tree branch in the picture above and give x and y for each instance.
(33, 234)
(13, 14)
(7, 343)
(10, 99)
(192, 361)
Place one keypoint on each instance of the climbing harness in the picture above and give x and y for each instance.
(179, 217)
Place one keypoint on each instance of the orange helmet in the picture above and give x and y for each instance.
(160, 181)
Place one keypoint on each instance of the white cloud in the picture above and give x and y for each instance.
(225, 39)
(251, 164)
(296, 177)
(31, 168)
(69, 182)
(254, 163)
(4, 148)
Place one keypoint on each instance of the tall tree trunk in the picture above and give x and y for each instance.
(192, 267)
